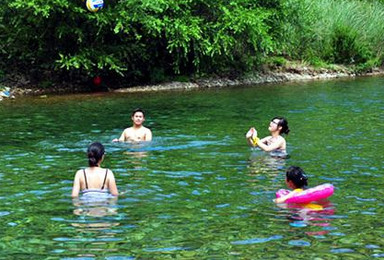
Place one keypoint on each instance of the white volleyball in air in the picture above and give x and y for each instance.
(94, 5)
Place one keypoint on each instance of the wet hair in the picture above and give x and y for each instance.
(95, 153)
(283, 123)
(297, 176)
(137, 110)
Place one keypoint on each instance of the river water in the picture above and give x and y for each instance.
(196, 191)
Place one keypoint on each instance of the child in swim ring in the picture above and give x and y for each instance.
(94, 179)
(296, 180)
(273, 143)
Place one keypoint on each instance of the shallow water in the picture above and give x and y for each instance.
(197, 191)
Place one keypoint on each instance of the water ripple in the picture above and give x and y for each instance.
(342, 250)
(299, 243)
(4, 213)
(166, 249)
(256, 240)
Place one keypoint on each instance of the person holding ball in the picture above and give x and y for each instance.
(273, 143)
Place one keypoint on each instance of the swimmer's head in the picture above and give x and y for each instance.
(138, 110)
(297, 177)
(95, 154)
(281, 122)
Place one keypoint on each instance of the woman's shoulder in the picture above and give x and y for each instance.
(80, 171)
(281, 140)
(266, 138)
(106, 170)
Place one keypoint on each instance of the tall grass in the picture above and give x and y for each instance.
(334, 31)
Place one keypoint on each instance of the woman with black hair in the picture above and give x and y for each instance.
(273, 143)
(94, 179)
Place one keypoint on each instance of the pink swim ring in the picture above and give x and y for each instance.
(319, 192)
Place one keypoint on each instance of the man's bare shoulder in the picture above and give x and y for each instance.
(146, 129)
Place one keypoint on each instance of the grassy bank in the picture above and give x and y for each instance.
(334, 31)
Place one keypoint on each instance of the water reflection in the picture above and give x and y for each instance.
(269, 161)
(134, 154)
(261, 165)
(136, 158)
(317, 214)
(97, 227)
(94, 212)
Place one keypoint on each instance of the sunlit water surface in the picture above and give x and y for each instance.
(197, 191)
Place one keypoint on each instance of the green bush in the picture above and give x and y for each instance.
(333, 31)
(135, 40)
(346, 47)
(138, 41)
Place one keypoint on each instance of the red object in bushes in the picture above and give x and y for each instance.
(97, 80)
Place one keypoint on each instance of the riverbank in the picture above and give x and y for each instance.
(20, 86)
(286, 74)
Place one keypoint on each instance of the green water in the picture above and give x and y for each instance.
(197, 191)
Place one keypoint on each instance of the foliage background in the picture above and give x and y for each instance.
(147, 41)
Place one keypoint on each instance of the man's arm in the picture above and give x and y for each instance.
(121, 138)
(148, 135)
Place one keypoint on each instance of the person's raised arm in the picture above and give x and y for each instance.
(284, 198)
(250, 142)
(251, 137)
(273, 146)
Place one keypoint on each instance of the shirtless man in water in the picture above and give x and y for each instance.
(137, 132)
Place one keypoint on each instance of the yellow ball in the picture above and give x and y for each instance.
(94, 5)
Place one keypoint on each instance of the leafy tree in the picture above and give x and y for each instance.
(136, 40)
